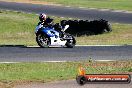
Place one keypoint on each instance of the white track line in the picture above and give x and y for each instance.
(37, 62)
(82, 45)
(51, 61)
(55, 61)
(99, 45)
(105, 60)
(111, 10)
(9, 62)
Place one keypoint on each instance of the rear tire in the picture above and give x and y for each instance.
(71, 42)
(42, 40)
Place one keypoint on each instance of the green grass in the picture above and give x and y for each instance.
(109, 4)
(45, 72)
(12, 74)
(37, 71)
(121, 35)
(17, 28)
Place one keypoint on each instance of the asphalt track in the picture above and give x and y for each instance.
(19, 53)
(35, 54)
(72, 84)
(89, 14)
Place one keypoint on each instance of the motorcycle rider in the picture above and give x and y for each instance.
(44, 20)
(48, 22)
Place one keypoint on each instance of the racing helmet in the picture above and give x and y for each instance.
(42, 17)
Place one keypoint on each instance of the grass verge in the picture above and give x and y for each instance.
(107, 4)
(17, 28)
(50, 71)
(121, 35)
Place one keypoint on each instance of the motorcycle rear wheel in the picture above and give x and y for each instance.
(42, 40)
(71, 42)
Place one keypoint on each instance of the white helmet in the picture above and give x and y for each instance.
(42, 17)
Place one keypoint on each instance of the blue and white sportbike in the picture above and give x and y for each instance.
(49, 36)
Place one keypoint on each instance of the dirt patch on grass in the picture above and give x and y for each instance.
(12, 84)
(6, 85)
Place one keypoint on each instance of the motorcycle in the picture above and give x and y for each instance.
(48, 36)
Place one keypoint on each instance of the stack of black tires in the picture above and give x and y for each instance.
(86, 27)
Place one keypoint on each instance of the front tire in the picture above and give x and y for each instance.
(42, 40)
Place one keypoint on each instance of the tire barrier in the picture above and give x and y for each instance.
(86, 27)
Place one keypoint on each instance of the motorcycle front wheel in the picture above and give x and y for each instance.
(42, 40)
